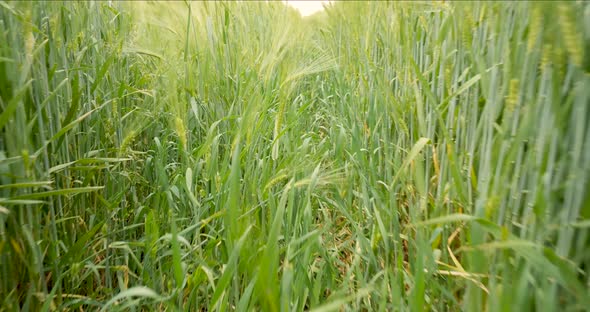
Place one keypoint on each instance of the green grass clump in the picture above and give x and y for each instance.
(423, 156)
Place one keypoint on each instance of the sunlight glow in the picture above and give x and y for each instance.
(307, 8)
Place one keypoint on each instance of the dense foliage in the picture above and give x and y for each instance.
(424, 156)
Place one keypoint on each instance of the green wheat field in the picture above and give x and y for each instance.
(235, 156)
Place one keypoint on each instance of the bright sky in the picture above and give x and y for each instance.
(307, 7)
